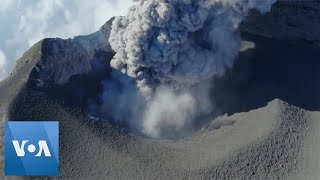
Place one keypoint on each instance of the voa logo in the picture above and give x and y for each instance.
(42, 148)
(31, 148)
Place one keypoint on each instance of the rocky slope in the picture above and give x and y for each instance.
(57, 60)
(288, 20)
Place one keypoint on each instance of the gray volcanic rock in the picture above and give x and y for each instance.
(288, 20)
(57, 60)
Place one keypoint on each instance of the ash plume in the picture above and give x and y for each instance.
(179, 42)
(170, 48)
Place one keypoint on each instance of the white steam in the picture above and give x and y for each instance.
(161, 114)
(170, 47)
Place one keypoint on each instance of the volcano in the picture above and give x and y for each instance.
(265, 124)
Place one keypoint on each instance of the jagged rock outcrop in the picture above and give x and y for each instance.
(57, 60)
(288, 20)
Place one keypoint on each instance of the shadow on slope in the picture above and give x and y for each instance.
(274, 69)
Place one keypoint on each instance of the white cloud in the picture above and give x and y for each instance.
(2, 58)
(5, 4)
(23, 23)
(2, 64)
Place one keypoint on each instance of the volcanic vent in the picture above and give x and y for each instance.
(167, 53)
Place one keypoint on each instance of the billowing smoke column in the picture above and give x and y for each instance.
(179, 42)
(170, 47)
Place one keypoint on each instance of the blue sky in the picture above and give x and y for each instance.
(25, 22)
